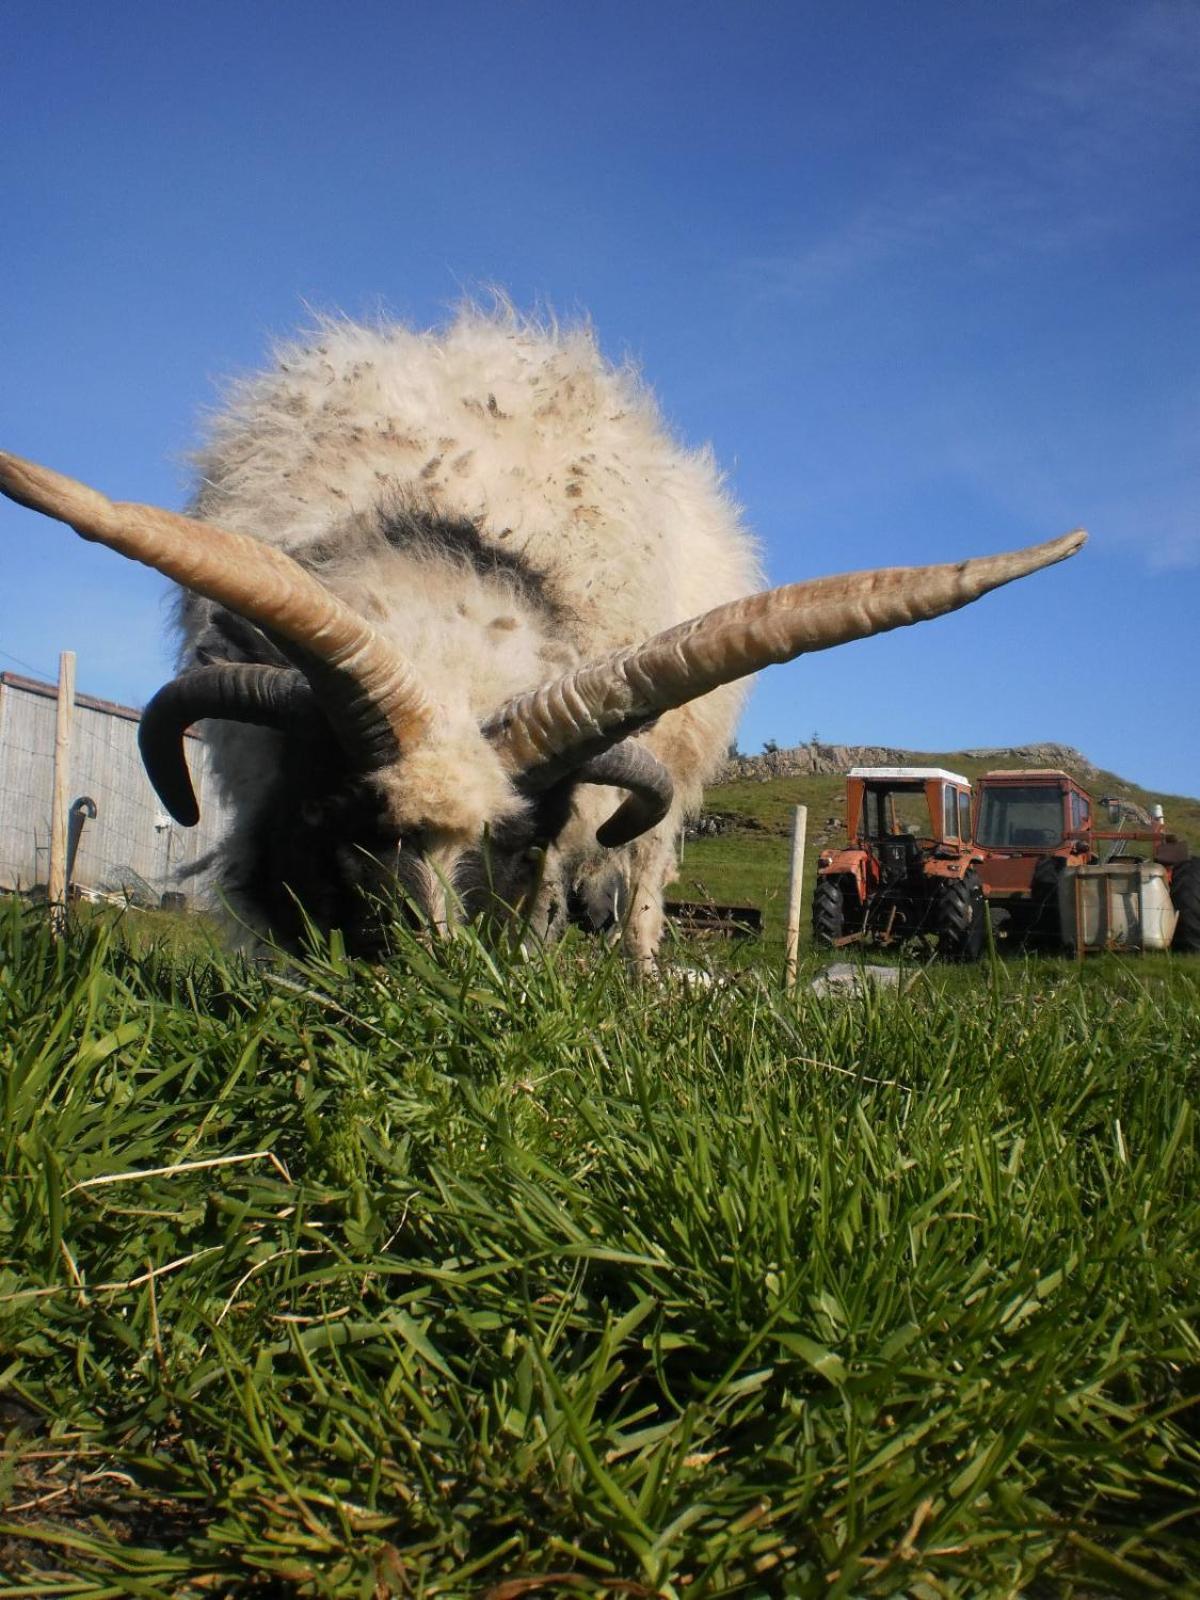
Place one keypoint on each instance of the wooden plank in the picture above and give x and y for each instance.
(705, 919)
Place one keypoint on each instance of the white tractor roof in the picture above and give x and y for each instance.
(917, 774)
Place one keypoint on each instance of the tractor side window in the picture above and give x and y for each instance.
(949, 813)
(964, 814)
(1080, 813)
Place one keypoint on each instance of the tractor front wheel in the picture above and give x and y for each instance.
(958, 917)
(1185, 896)
(828, 912)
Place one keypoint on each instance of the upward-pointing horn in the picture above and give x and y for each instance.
(599, 703)
(367, 690)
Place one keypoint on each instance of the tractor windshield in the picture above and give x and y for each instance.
(888, 812)
(1016, 816)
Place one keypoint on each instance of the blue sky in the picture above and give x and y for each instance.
(927, 277)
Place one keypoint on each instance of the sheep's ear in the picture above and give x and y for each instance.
(624, 690)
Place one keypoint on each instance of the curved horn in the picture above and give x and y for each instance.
(271, 697)
(626, 766)
(359, 678)
(633, 767)
(603, 701)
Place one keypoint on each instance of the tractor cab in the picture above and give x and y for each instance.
(1031, 825)
(1036, 810)
(907, 870)
(906, 811)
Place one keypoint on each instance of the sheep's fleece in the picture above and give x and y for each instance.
(502, 503)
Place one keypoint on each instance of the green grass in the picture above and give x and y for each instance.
(428, 1278)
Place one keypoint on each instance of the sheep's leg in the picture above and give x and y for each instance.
(546, 917)
(643, 933)
(653, 866)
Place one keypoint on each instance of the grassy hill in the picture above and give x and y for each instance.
(747, 863)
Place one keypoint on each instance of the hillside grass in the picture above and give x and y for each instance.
(459, 1276)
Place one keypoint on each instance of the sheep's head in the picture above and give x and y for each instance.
(386, 775)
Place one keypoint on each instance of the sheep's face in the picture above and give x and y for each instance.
(348, 828)
(325, 848)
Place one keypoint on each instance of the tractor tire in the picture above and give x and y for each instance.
(959, 911)
(828, 912)
(1045, 923)
(1185, 897)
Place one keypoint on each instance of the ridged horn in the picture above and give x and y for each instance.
(367, 690)
(633, 767)
(601, 702)
(270, 697)
(626, 766)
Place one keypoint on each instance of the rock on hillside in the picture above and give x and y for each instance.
(814, 758)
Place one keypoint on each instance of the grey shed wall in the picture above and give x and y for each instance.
(131, 843)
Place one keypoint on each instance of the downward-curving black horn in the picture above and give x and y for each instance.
(630, 766)
(271, 697)
(619, 765)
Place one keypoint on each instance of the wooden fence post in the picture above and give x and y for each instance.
(56, 886)
(795, 895)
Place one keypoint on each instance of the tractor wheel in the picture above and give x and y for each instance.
(1185, 896)
(958, 918)
(828, 912)
(1045, 921)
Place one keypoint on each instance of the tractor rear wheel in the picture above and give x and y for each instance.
(1185, 896)
(828, 912)
(1045, 921)
(958, 917)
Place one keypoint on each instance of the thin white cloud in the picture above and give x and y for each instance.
(1144, 73)
(1083, 143)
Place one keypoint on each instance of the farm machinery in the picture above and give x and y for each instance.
(1038, 846)
(910, 868)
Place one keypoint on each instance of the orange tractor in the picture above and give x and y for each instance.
(911, 868)
(1033, 825)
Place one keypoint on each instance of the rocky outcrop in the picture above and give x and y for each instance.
(1038, 755)
(814, 758)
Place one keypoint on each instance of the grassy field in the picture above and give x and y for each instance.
(460, 1277)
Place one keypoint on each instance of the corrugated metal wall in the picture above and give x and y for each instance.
(131, 844)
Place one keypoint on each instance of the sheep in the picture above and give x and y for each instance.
(469, 628)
